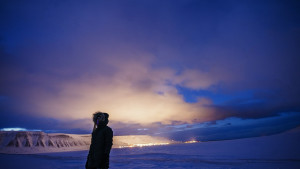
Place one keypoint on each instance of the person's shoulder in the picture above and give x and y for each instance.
(108, 129)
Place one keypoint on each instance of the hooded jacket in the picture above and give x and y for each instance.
(101, 143)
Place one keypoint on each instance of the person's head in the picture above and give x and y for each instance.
(100, 118)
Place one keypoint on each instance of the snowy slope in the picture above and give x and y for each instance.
(34, 142)
(281, 151)
(28, 142)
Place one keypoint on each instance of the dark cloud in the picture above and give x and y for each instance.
(238, 128)
(63, 58)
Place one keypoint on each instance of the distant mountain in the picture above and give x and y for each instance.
(30, 142)
(34, 142)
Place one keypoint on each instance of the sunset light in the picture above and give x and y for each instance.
(192, 141)
(144, 145)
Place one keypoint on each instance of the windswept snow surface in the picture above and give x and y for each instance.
(280, 151)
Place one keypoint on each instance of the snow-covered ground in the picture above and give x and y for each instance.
(280, 151)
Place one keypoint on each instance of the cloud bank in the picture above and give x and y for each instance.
(132, 92)
(140, 61)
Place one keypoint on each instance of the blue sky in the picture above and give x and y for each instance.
(155, 65)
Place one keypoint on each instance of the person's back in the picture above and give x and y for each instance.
(101, 143)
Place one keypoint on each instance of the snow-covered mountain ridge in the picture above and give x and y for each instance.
(30, 142)
(36, 141)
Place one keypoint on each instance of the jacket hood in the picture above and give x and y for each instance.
(100, 118)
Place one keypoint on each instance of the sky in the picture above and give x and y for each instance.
(183, 69)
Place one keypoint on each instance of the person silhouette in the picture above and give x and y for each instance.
(101, 143)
